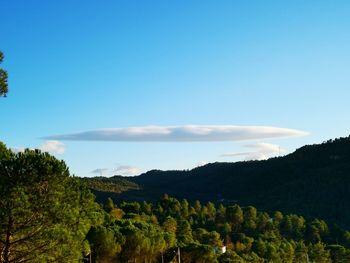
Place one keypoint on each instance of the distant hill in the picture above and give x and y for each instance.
(103, 187)
(313, 181)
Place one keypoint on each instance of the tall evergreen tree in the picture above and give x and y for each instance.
(44, 212)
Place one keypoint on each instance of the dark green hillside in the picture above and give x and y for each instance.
(313, 181)
(46, 215)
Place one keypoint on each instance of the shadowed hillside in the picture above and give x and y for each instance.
(313, 181)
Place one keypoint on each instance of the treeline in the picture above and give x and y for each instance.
(47, 215)
(313, 181)
(159, 232)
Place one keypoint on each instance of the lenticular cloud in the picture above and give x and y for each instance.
(185, 133)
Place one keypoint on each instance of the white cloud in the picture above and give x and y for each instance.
(53, 146)
(260, 151)
(186, 133)
(126, 170)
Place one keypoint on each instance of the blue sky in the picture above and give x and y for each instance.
(79, 66)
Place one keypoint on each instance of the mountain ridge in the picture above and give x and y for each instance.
(314, 181)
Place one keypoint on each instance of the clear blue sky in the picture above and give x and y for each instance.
(77, 66)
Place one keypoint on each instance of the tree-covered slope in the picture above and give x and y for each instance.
(169, 229)
(104, 187)
(115, 184)
(313, 181)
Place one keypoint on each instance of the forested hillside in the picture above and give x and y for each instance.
(47, 215)
(208, 233)
(313, 181)
(105, 187)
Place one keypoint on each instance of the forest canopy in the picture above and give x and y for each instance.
(45, 213)
(48, 215)
(200, 233)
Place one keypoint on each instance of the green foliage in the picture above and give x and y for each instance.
(184, 233)
(104, 243)
(313, 181)
(150, 232)
(3, 78)
(230, 257)
(198, 253)
(114, 184)
(339, 253)
(44, 212)
(234, 215)
(109, 205)
(319, 253)
(208, 238)
(46, 215)
(170, 225)
(143, 241)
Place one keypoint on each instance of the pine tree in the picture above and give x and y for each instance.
(3, 78)
(44, 212)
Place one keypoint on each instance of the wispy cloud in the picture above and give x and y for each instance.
(53, 146)
(125, 170)
(235, 154)
(186, 133)
(260, 151)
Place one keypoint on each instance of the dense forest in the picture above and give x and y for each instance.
(208, 233)
(115, 184)
(313, 181)
(48, 215)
